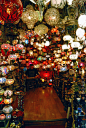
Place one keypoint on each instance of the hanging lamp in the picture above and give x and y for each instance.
(11, 10)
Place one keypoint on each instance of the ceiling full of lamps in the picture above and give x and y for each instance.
(65, 14)
(69, 10)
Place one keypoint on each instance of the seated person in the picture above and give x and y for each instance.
(31, 77)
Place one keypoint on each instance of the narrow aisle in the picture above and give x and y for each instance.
(43, 104)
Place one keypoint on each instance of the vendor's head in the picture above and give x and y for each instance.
(31, 66)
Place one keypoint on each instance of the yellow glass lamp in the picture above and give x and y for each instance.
(8, 100)
(52, 16)
(11, 67)
(9, 81)
(41, 29)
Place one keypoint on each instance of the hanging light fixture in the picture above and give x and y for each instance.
(58, 3)
(29, 16)
(11, 10)
(5, 49)
(75, 44)
(65, 46)
(80, 33)
(82, 20)
(2, 116)
(41, 29)
(4, 70)
(12, 57)
(8, 92)
(7, 109)
(63, 68)
(11, 67)
(2, 80)
(73, 57)
(9, 81)
(8, 100)
(52, 16)
(85, 50)
(67, 38)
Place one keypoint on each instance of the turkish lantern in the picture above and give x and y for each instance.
(5, 49)
(52, 16)
(11, 10)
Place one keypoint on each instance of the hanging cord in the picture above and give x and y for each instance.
(41, 6)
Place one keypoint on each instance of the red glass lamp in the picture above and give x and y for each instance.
(5, 49)
(46, 74)
(11, 10)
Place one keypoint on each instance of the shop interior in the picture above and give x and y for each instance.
(42, 63)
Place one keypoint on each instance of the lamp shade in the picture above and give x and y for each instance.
(85, 50)
(29, 16)
(2, 80)
(75, 44)
(11, 67)
(81, 64)
(9, 81)
(52, 16)
(5, 46)
(8, 101)
(80, 33)
(63, 69)
(46, 74)
(67, 38)
(41, 29)
(9, 92)
(65, 46)
(2, 116)
(5, 49)
(58, 3)
(82, 20)
(73, 56)
(11, 11)
(19, 46)
(8, 116)
(12, 57)
(47, 43)
(4, 70)
(7, 109)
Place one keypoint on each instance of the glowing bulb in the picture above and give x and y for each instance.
(8, 11)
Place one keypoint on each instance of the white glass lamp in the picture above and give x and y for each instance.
(47, 43)
(65, 46)
(73, 56)
(57, 55)
(80, 33)
(75, 44)
(67, 38)
(58, 3)
(85, 50)
(69, 2)
(82, 20)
